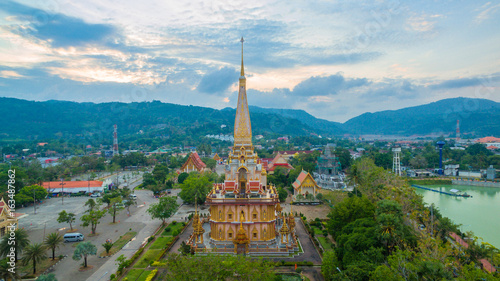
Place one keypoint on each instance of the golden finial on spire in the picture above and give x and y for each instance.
(242, 68)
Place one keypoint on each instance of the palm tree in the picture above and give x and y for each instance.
(22, 241)
(84, 249)
(5, 274)
(34, 253)
(52, 241)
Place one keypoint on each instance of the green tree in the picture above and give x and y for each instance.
(34, 253)
(7, 274)
(40, 192)
(65, 217)
(115, 207)
(21, 239)
(107, 246)
(347, 211)
(182, 177)
(160, 173)
(217, 268)
(84, 249)
(90, 204)
(148, 180)
(92, 218)
(195, 186)
(52, 241)
(164, 209)
(282, 194)
(329, 265)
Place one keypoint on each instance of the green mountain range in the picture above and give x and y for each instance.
(30, 120)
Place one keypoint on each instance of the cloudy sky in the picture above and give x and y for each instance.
(334, 59)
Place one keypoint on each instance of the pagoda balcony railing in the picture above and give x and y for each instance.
(241, 200)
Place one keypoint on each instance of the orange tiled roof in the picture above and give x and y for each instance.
(488, 139)
(71, 184)
(195, 158)
(302, 176)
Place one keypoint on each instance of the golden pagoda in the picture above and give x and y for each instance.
(243, 209)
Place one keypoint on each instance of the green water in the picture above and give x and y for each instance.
(481, 213)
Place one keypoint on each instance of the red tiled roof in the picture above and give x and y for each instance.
(459, 240)
(487, 266)
(302, 176)
(71, 184)
(195, 158)
(288, 152)
(488, 139)
(491, 147)
(254, 183)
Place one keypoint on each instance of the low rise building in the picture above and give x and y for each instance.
(73, 186)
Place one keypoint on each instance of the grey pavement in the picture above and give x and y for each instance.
(149, 227)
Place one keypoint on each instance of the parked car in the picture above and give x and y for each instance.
(73, 237)
(94, 195)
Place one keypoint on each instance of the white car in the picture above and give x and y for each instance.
(133, 196)
(94, 195)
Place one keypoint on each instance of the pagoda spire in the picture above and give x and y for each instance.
(242, 73)
(242, 126)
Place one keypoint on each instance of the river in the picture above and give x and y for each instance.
(481, 213)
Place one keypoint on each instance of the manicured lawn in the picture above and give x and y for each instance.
(177, 226)
(120, 242)
(317, 231)
(133, 274)
(324, 242)
(150, 255)
(161, 242)
(137, 274)
(144, 275)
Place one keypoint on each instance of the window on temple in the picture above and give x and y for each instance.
(264, 214)
(230, 216)
(220, 215)
(254, 216)
(220, 234)
(254, 235)
(230, 235)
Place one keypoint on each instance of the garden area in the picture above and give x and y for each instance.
(157, 246)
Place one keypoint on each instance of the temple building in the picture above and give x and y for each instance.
(7, 218)
(279, 161)
(243, 215)
(193, 163)
(328, 173)
(305, 184)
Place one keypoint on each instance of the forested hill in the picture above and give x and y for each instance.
(29, 120)
(478, 117)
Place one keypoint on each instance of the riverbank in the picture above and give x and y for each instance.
(476, 183)
(430, 181)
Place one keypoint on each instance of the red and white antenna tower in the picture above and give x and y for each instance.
(115, 141)
(458, 130)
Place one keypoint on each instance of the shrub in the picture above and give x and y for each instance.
(298, 270)
(167, 229)
(112, 276)
(325, 232)
(151, 238)
(175, 233)
(174, 222)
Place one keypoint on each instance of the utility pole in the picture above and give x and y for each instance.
(34, 202)
(62, 191)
